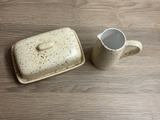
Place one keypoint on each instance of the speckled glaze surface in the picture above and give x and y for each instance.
(47, 54)
(104, 57)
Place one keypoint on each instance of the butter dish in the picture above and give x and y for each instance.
(46, 55)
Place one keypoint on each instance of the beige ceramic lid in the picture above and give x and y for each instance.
(47, 54)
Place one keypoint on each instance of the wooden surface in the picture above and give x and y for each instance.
(129, 91)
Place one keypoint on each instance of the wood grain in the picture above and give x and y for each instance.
(129, 91)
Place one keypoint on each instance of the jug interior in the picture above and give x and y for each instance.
(113, 38)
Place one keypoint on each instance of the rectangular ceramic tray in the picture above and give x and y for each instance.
(25, 81)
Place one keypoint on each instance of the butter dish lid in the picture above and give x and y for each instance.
(46, 55)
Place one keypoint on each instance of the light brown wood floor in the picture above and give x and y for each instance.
(129, 91)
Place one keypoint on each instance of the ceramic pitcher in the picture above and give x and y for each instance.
(109, 48)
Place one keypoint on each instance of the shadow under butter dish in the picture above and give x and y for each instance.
(47, 54)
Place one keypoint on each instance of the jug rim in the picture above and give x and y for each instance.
(99, 37)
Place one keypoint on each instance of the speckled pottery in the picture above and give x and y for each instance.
(46, 55)
(109, 48)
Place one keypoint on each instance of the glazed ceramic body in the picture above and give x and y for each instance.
(104, 58)
(46, 55)
(109, 48)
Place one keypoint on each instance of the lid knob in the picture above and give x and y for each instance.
(45, 46)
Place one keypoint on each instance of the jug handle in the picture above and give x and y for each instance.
(134, 43)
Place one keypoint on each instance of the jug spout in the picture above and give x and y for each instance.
(99, 36)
